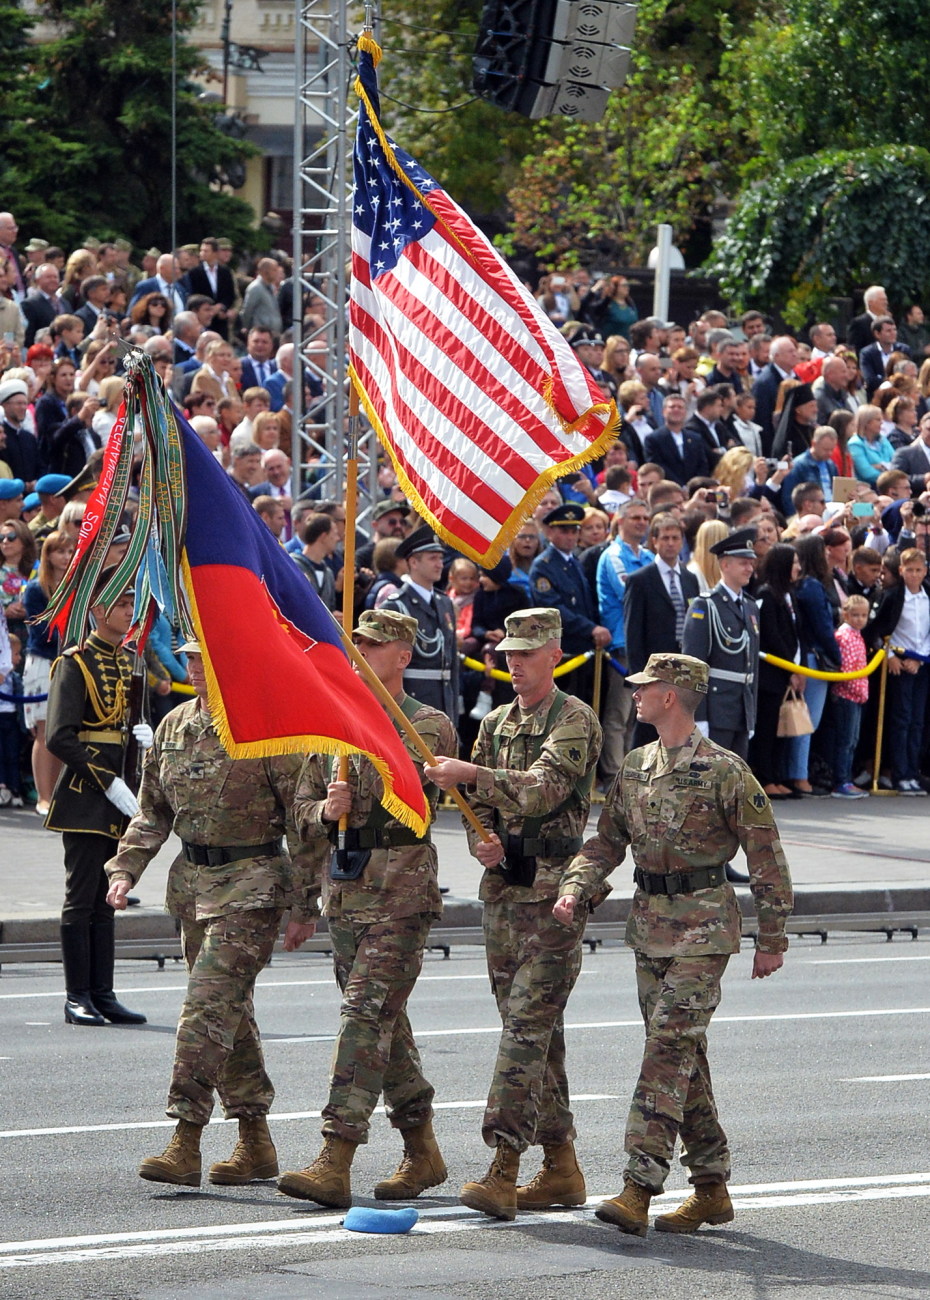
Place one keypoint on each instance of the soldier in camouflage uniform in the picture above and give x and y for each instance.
(380, 898)
(684, 805)
(230, 887)
(530, 785)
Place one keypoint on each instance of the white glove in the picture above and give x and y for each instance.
(704, 729)
(121, 797)
(143, 734)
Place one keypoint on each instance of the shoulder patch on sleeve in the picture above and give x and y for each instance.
(759, 800)
(543, 584)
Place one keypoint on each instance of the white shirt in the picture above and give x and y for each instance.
(913, 630)
(211, 276)
(425, 592)
(665, 570)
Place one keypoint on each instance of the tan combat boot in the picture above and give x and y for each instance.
(496, 1193)
(709, 1203)
(629, 1211)
(179, 1163)
(327, 1180)
(422, 1166)
(559, 1182)
(253, 1159)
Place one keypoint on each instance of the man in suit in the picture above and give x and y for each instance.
(859, 334)
(281, 376)
(813, 466)
(95, 291)
(42, 303)
(783, 359)
(832, 393)
(187, 330)
(433, 671)
(258, 365)
(260, 305)
(874, 358)
(708, 423)
(680, 453)
(216, 281)
(915, 459)
(8, 232)
(164, 281)
(655, 604)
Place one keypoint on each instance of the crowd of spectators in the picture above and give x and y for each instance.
(821, 446)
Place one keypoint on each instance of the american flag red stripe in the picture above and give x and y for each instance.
(478, 399)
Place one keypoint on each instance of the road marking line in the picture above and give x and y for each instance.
(861, 961)
(884, 1078)
(284, 1115)
(325, 1227)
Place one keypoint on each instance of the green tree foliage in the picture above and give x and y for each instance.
(834, 74)
(824, 224)
(96, 155)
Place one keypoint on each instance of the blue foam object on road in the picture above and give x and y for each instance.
(361, 1218)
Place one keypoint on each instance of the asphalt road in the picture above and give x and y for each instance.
(822, 1076)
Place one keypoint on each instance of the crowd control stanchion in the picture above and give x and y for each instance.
(880, 731)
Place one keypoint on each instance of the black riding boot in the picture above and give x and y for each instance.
(102, 940)
(75, 958)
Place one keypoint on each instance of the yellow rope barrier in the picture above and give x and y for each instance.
(822, 676)
(500, 676)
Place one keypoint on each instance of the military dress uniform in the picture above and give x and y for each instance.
(433, 675)
(229, 886)
(683, 813)
(379, 923)
(533, 789)
(86, 727)
(557, 580)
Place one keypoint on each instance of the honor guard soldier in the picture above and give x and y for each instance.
(433, 674)
(380, 898)
(87, 727)
(682, 805)
(556, 579)
(530, 785)
(229, 887)
(722, 629)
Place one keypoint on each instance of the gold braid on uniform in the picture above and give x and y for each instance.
(105, 717)
(730, 645)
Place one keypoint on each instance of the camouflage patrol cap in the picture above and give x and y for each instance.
(531, 629)
(676, 670)
(386, 625)
(123, 245)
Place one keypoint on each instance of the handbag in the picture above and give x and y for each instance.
(794, 717)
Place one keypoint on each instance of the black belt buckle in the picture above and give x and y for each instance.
(673, 884)
(348, 864)
(517, 869)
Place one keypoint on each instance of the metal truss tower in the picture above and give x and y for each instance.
(324, 126)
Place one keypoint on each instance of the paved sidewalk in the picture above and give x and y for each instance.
(873, 855)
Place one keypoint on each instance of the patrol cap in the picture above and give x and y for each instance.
(123, 245)
(152, 252)
(12, 388)
(569, 512)
(676, 670)
(531, 629)
(223, 242)
(52, 485)
(422, 539)
(386, 625)
(387, 506)
(91, 243)
(11, 488)
(738, 545)
(190, 648)
(36, 245)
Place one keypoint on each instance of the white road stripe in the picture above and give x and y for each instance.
(324, 1227)
(276, 1118)
(862, 961)
(884, 1078)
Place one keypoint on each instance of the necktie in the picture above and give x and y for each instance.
(678, 600)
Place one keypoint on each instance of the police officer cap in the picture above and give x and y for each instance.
(738, 545)
(12, 388)
(87, 478)
(422, 539)
(190, 648)
(102, 581)
(569, 512)
(531, 629)
(11, 488)
(387, 506)
(676, 670)
(52, 485)
(586, 337)
(386, 625)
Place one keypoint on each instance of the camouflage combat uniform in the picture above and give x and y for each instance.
(682, 811)
(230, 911)
(378, 924)
(533, 961)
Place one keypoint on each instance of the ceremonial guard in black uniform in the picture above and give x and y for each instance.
(88, 729)
(433, 674)
(722, 629)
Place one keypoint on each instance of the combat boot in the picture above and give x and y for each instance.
(179, 1163)
(629, 1211)
(559, 1182)
(254, 1158)
(422, 1166)
(327, 1180)
(496, 1193)
(708, 1203)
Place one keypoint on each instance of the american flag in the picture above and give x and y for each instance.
(477, 398)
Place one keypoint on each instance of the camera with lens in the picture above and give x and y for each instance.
(919, 510)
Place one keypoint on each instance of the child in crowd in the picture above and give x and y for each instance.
(849, 698)
(908, 621)
(12, 726)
